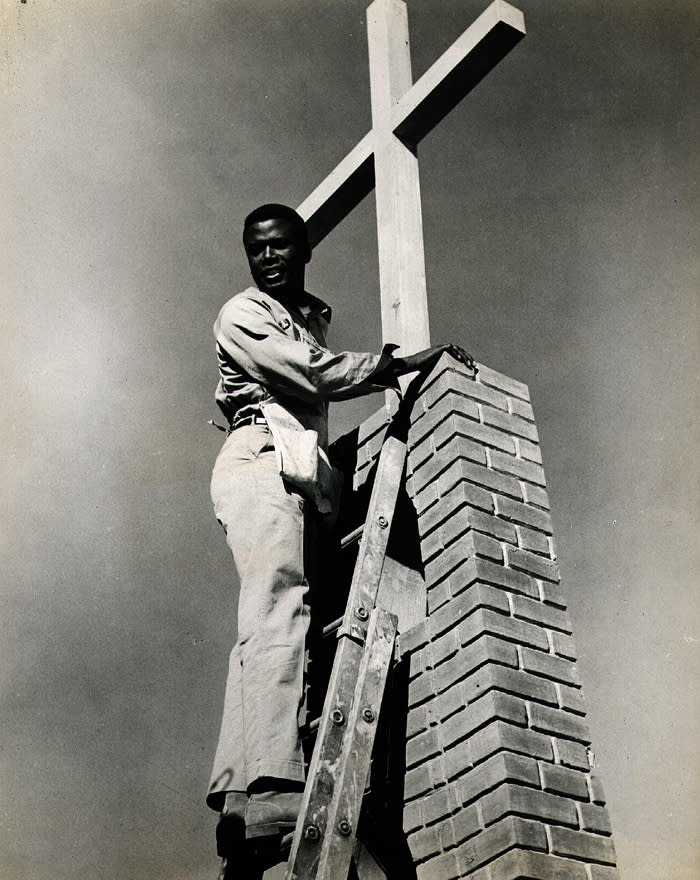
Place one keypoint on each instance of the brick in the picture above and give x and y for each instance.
(504, 835)
(604, 872)
(421, 452)
(419, 662)
(499, 768)
(412, 817)
(417, 782)
(372, 425)
(457, 760)
(550, 666)
(571, 754)
(512, 387)
(511, 681)
(420, 689)
(443, 867)
(535, 495)
(499, 736)
(422, 747)
(424, 843)
(458, 425)
(486, 547)
(424, 499)
(597, 793)
(521, 408)
(532, 563)
(439, 804)
(438, 595)
(529, 471)
(571, 699)
(446, 833)
(446, 646)
(545, 615)
(553, 594)
(483, 620)
(582, 845)
(558, 722)
(466, 824)
(493, 526)
(436, 769)
(448, 702)
(563, 780)
(536, 542)
(515, 581)
(417, 721)
(563, 645)
(530, 451)
(369, 448)
(518, 863)
(510, 423)
(528, 802)
(462, 469)
(473, 717)
(594, 818)
(515, 511)
(477, 595)
(485, 650)
(414, 638)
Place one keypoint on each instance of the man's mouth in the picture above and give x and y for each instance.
(272, 274)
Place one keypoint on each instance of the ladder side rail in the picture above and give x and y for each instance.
(352, 771)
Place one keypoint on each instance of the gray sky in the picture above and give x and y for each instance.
(560, 205)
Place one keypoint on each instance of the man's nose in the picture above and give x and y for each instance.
(267, 253)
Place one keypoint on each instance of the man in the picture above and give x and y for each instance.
(271, 480)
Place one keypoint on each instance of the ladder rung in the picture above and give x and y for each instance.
(352, 536)
(309, 728)
(331, 627)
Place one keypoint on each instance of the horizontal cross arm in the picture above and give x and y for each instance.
(479, 49)
(343, 189)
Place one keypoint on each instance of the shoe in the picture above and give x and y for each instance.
(272, 813)
(230, 831)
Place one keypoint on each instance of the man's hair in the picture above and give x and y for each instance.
(279, 212)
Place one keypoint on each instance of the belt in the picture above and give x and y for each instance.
(252, 419)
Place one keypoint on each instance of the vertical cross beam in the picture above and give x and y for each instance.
(404, 299)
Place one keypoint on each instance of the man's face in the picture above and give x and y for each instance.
(277, 257)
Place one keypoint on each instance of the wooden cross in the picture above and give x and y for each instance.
(402, 114)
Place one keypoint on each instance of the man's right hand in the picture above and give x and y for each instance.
(425, 360)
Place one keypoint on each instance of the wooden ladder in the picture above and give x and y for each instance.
(325, 840)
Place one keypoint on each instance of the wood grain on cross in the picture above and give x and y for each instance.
(402, 114)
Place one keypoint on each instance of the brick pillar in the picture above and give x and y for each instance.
(498, 783)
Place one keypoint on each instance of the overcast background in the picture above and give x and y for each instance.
(560, 206)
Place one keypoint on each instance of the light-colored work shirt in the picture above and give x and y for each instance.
(272, 357)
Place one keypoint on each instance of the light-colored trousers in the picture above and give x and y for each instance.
(265, 524)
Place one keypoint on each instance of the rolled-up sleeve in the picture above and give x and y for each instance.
(248, 332)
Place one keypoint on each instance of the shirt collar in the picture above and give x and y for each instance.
(318, 308)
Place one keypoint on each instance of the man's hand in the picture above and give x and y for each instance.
(423, 361)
